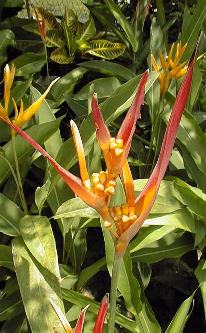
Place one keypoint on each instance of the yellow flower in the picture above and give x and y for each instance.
(170, 66)
(21, 115)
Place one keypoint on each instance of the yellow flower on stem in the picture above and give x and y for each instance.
(170, 66)
(21, 115)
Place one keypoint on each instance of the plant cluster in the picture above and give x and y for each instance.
(114, 203)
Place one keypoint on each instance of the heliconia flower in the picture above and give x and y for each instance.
(21, 115)
(116, 150)
(170, 66)
(99, 323)
(144, 202)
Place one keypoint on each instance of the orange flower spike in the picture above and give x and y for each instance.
(98, 328)
(128, 184)
(116, 150)
(146, 199)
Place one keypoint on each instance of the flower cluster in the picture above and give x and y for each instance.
(21, 115)
(170, 66)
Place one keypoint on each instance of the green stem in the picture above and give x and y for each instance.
(18, 176)
(13, 174)
(113, 292)
(47, 65)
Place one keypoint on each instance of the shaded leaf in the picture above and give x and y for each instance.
(10, 215)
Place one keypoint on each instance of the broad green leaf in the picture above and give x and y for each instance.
(6, 259)
(192, 197)
(65, 85)
(80, 10)
(76, 298)
(85, 31)
(181, 219)
(38, 236)
(124, 23)
(13, 3)
(200, 274)
(41, 195)
(68, 277)
(104, 87)
(105, 49)
(75, 207)
(37, 285)
(182, 315)
(54, 39)
(7, 39)
(40, 133)
(10, 306)
(87, 273)
(108, 68)
(10, 215)
(173, 245)
(192, 28)
(29, 63)
(75, 244)
(61, 56)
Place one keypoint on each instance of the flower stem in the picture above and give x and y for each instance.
(113, 292)
(18, 176)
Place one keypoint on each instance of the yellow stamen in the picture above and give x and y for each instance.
(118, 151)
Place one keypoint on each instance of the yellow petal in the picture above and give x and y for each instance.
(164, 63)
(154, 63)
(31, 110)
(80, 151)
(128, 184)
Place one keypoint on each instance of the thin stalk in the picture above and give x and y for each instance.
(47, 65)
(13, 174)
(113, 292)
(24, 205)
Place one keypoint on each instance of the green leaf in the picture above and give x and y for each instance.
(75, 207)
(104, 87)
(105, 49)
(85, 31)
(10, 214)
(38, 236)
(192, 28)
(192, 197)
(87, 273)
(29, 63)
(182, 315)
(68, 277)
(7, 39)
(64, 86)
(37, 286)
(61, 56)
(6, 259)
(54, 39)
(172, 245)
(40, 133)
(125, 24)
(10, 306)
(108, 68)
(80, 10)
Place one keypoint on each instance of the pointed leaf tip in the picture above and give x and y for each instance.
(99, 324)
